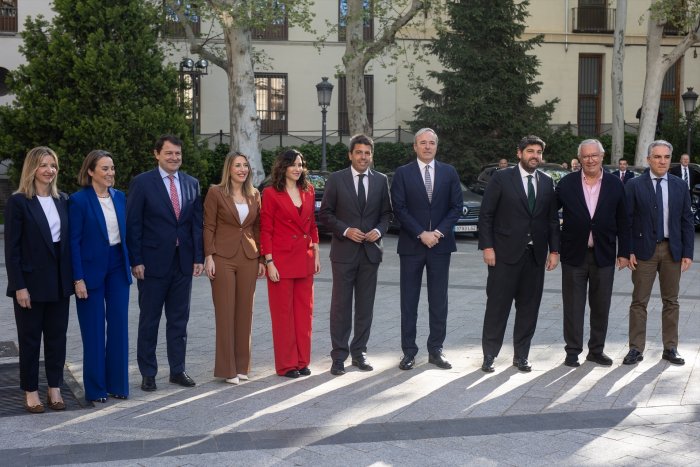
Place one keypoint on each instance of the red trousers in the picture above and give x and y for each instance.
(291, 311)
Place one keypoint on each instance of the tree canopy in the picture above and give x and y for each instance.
(93, 79)
(485, 103)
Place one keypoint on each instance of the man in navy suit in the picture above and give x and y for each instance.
(164, 238)
(684, 172)
(357, 209)
(427, 199)
(595, 231)
(622, 173)
(519, 236)
(662, 240)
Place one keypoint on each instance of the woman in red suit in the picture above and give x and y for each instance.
(289, 242)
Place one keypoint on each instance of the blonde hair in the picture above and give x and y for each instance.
(227, 184)
(32, 161)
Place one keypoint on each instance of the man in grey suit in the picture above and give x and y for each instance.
(519, 236)
(356, 208)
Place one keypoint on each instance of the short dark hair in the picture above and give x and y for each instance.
(361, 139)
(622, 159)
(90, 163)
(279, 169)
(529, 140)
(172, 139)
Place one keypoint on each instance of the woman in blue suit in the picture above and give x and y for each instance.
(102, 277)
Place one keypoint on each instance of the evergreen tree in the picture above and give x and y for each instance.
(94, 79)
(484, 106)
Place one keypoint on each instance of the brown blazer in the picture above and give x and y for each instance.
(223, 232)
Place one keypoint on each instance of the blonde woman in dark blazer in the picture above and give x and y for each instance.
(232, 263)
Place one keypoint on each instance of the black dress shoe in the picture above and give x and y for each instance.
(148, 383)
(183, 379)
(487, 366)
(118, 396)
(673, 356)
(599, 358)
(292, 374)
(305, 371)
(632, 357)
(572, 361)
(338, 368)
(407, 362)
(362, 363)
(522, 364)
(438, 359)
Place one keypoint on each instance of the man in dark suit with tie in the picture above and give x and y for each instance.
(595, 231)
(662, 241)
(426, 241)
(164, 238)
(684, 172)
(622, 173)
(519, 236)
(356, 208)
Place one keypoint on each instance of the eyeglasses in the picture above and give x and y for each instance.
(591, 157)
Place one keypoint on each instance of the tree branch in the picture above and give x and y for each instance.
(389, 35)
(197, 46)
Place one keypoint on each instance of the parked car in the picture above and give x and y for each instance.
(555, 171)
(695, 194)
(469, 219)
(318, 179)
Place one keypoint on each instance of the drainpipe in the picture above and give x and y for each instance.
(566, 26)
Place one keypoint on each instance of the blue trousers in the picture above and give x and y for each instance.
(106, 354)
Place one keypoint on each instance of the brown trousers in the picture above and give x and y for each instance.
(233, 291)
(669, 281)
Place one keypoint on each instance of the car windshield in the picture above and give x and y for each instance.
(555, 174)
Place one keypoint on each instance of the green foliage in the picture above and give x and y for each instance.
(675, 131)
(94, 78)
(484, 105)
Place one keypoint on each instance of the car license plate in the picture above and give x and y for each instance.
(318, 205)
(466, 228)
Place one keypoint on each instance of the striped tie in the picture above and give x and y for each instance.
(428, 183)
(173, 197)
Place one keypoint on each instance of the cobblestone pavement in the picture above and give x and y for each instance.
(647, 414)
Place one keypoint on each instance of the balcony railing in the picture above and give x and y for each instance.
(593, 19)
(8, 19)
(277, 31)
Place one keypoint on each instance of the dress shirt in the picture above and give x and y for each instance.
(421, 166)
(166, 181)
(365, 182)
(523, 176)
(591, 194)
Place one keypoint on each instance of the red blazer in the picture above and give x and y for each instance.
(288, 235)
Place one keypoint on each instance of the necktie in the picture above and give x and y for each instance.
(173, 196)
(428, 183)
(685, 176)
(530, 194)
(361, 196)
(659, 211)
(622, 176)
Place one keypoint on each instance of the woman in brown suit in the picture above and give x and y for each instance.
(232, 262)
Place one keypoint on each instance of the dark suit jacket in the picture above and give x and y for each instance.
(609, 225)
(417, 214)
(89, 238)
(505, 222)
(691, 174)
(30, 257)
(288, 235)
(629, 175)
(641, 205)
(224, 233)
(153, 228)
(340, 209)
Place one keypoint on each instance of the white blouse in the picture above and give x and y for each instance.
(51, 213)
(243, 211)
(111, 220)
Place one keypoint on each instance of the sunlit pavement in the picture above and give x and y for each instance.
(646, 414)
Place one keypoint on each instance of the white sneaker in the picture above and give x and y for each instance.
(234, 380)
(243, 377)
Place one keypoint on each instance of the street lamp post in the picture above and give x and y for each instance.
(689, 99)
(195, 71)
(324, 90)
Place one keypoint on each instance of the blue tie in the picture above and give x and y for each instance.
(659, 211)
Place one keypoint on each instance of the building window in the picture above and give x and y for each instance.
(593, 16)
(343, 122)
(8, 16)
(172, 27)
(277, 30)
(670, 92)
(368, 20)
(271, 102)
(590, 76)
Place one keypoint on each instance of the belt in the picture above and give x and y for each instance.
(661, 241)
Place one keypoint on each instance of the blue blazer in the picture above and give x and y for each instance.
(89, 238)
(154, 230)
(30, 256)
(641, 205)
(609, 225)
(417, 214)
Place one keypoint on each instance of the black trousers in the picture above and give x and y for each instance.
(50, 320)
(358, 278)
(574, 282)
(522, 282)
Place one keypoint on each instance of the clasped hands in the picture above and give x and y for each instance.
(430, 239)
(356, 235)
